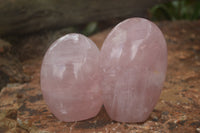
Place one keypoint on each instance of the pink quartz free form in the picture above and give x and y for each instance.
(69, 80)
(133, 65)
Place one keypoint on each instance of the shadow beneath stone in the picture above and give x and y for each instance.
(101, 120)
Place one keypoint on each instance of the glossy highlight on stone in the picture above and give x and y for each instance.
(69, 78)
(133, 63)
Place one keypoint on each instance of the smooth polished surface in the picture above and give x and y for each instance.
(69, 80)
(133, 65)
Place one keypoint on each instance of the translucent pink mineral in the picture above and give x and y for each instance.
(69, 80)
(133, 64)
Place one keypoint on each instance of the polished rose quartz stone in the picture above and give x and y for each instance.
(69, 80)
(133, 65)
